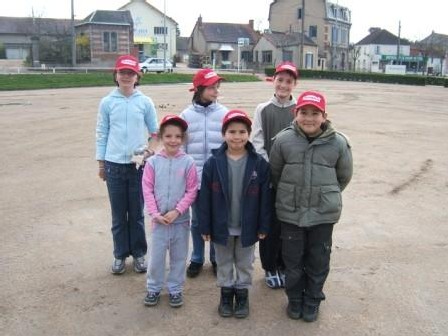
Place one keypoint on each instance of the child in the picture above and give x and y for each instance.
(125, 118)
(311, 164)
(269, 119)
(234, 210)
(204, 117)
(169, 186)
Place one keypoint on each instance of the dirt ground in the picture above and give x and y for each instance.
(389, 272)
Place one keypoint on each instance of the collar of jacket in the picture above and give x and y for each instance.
(117, 93)
(323, 137)
(163, 153)
(276, 102)
(204, 109)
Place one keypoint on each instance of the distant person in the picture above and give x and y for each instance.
(234, 210)
(269, 119)
(311, 165)
(204, 117)
(125, 119)
(170, 185)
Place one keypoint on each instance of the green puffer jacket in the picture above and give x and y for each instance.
(309, 177)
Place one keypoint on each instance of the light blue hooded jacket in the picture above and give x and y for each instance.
(123, 125)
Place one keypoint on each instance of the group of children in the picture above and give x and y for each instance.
(277, 180)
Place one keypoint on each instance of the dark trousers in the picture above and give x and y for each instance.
(124, 184)
(270, 248)
(306, 252)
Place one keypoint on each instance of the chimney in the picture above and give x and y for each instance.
(199, 21)
(251, 24)
(374, 29)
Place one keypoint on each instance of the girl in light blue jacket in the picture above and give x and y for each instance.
(204, 117)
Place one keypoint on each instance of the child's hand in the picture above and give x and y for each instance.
(261, 235)
(102, 173)
(161, 219)
(206, 237)
(171, 216)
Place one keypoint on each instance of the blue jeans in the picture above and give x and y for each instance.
(197, 255)
(124, 184)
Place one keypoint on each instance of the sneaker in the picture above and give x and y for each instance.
(310, 312)
(118, 266)
(294, 310)
(176, 300)
(272, 280)
(151, 299)
(139, 265)
(194, 269)
(282, 276)
(215, 268)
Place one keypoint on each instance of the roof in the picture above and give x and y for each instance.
(228, 32)
(382, 36)
(150, 6)
(30, 26)
(182, 43)
(436, 39)
(288, 39)
(115, 17)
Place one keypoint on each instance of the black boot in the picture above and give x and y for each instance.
(241, 303)
(225, 308)
(310, 312)
(294, 309)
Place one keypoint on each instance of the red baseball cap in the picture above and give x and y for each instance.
(289, 67)
(127, 62)
(311, 98)
(234, 115)
(205, 77)
(174, 119)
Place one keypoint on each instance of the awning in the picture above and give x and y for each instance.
(226, 47)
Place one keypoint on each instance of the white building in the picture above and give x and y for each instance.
(153, 30)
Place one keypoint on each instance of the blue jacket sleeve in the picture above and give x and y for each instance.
(204, 206)
(151, 117)
(102, 130)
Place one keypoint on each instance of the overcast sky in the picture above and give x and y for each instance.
(417, 21)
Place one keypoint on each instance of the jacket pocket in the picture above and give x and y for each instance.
(286, 197)
(330, 199)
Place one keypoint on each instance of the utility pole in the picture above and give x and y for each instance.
(164, 36)
(302, 36)
(398, 43)
(73, 35)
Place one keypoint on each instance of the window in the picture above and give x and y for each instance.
(266, 56)
(246, 56)
(225, 55)
(377, 50)
(309, 59)
(160, 30)
(334, 35)
(287, 55)
(344, 35)
(312, 31)
(299, 13)
(110, 42)
(256, 56)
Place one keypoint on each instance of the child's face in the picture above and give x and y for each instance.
(210, 93)
(172, 139)
(284, 83)
(309, 119)
(126, 78)
(236, 136)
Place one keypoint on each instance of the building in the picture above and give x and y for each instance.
(154, 32)
(224, 45)
(21, 36)
(381, 48)
(326, 24)
(434, 49)
(273, 48)
(182, 49)
(104, 35)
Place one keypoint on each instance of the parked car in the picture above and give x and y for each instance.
(155, 65)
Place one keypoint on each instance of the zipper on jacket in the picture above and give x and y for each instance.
(169, 183)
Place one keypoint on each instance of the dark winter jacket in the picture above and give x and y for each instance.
(214, 202)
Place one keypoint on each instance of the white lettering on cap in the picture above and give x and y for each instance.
(210, 75)
(237, 114)
(312, 98)
(129, 62)
(288, 67)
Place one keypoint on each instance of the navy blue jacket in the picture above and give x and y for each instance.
(214, 198)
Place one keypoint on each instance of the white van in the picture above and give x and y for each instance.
(155, 65)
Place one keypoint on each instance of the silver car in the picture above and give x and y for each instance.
(155, 65)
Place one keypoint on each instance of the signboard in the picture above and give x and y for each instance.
(402, 58)
(396, 69)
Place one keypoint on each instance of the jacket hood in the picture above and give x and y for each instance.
(117, 94)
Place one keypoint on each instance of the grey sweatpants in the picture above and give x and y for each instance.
(233, 258)
(174, 238)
